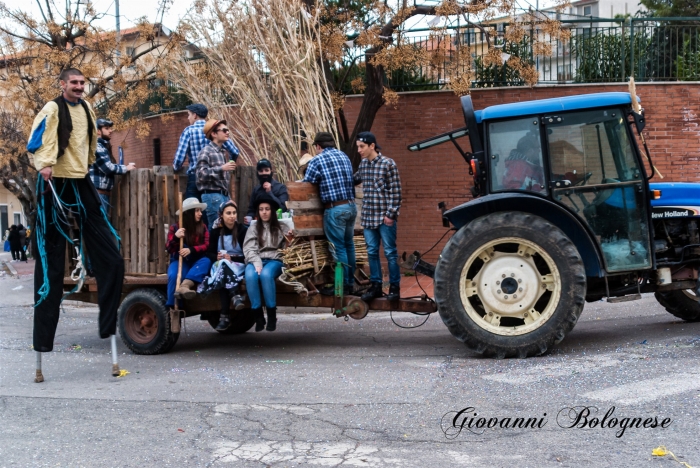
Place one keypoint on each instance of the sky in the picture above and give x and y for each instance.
(131, 10)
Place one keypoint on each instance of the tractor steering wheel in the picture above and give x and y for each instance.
(584, 180)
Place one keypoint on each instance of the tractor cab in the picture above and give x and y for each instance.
(575, 155)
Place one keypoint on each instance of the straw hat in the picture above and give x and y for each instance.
(191, 204)
(211, 125)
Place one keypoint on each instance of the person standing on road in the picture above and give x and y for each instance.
(269, 187)
(64, 141)
(213, 170)
(103, 171)
(22, 232)
(13, 239)
(331, 169)
(192, 141)
(381, 188)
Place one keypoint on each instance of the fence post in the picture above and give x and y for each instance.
(632, 46)
(622, 45)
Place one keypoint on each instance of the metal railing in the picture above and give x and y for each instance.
(600, 50)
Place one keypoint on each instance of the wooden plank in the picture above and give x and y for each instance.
(313, 204)
(302, 191)
(160, 220)
(248, 180)
(133, 219)
(162, 170)
(308, 221)
(142, 221)
(153, 202)
(308, 232)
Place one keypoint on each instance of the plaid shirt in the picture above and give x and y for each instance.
(381, 188)
(173, 244)
(192, 141)
(332, 170)
(103, 171)
(209, 173)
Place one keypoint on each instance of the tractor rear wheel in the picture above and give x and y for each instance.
(682, 303)
(241, 322)
(510, 284)
(144, 322)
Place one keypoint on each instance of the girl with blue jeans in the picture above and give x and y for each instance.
(263, 258)
(195, 263)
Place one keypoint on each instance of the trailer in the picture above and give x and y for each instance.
(145, 205)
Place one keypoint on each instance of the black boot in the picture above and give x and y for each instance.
(271, 318)
(394, 292)
(259, 319)
(224, 322)
(375, 290)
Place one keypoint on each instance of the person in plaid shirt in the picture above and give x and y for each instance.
(332, 171)
(191, 143)
(214, 169)
(105, 167)
(381, 188)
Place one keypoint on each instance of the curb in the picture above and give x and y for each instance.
(9, 266)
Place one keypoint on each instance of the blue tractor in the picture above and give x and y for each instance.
(563, 213)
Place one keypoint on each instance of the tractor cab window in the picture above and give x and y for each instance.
(515, 156)
(595, 174)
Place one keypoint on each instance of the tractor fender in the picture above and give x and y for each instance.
(579, 234)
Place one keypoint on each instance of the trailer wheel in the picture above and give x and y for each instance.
(241, 322)
(510, 284)
(682, 303)
(144, 323)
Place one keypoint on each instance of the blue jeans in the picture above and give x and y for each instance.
(192, 192)
(105, 203)
(265, 281)
(386, 235)
(213, 201)
(195, 271)
(339, 226)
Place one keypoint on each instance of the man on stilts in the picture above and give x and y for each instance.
(63, 141)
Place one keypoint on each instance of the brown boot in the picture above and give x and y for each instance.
(186, 289)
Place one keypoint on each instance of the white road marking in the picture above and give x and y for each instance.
(645, 391)
(534, 373)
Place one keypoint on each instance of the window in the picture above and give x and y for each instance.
(156, 151)
(4, 225)
(129, 51)
(591, 151)
(587, 11)
(17, 218)
(515, 155)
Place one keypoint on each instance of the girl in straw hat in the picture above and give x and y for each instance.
(195, 263)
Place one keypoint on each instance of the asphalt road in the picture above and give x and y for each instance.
(323, 392)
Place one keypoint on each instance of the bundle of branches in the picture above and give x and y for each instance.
(298, 257)
(261, 72)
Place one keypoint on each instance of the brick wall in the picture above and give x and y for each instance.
(440, 173)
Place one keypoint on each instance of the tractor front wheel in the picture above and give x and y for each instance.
(682, 303)
(510, 284)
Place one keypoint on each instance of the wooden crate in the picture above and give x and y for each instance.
(306, 204)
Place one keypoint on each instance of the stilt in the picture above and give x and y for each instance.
(39, 376)
(115, 365)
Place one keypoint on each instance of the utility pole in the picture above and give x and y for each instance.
(118, 54)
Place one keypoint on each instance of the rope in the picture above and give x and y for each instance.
(298, 287)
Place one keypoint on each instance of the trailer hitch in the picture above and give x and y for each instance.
(415, 263)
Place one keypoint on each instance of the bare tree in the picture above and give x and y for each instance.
(33, 51)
